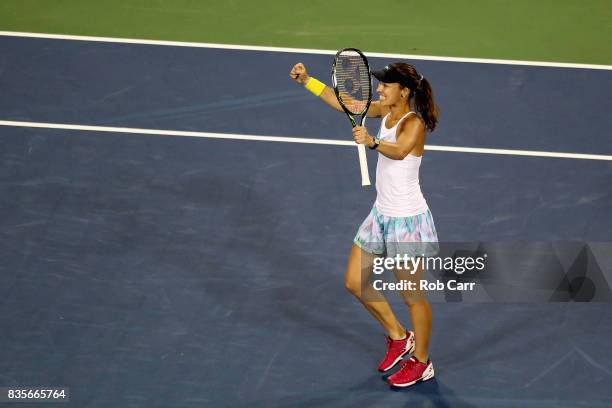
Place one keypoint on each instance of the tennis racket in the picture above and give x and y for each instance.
(352, 84)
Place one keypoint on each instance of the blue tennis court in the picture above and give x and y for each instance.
(158, 271)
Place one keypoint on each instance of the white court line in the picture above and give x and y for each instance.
(301, 50)
(160, 132)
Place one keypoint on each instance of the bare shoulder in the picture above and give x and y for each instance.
(411, 132)
(413, 124)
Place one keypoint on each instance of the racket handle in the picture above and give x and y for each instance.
(363, 165)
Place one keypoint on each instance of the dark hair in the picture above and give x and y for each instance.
(420, 90)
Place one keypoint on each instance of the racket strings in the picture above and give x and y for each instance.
(353, 81)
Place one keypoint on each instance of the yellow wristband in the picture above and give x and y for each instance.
(315, 86)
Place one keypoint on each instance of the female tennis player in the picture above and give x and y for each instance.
(400, 222)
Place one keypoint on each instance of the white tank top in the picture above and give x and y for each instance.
(398, 193)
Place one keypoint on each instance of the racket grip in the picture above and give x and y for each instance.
(363, 165)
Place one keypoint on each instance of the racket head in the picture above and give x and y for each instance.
(352, 81)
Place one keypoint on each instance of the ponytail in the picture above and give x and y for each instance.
(420, 90)
(425, 105)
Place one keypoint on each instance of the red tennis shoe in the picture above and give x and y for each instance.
(412, 371)
(396, 349)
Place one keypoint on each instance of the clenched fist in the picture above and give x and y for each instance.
(361, 136)
(299, 74)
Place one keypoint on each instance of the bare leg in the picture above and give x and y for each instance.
(358, 270)
(420, 312)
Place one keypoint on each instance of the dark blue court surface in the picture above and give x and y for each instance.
(152, 271)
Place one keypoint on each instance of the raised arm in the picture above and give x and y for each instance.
(300, 75)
